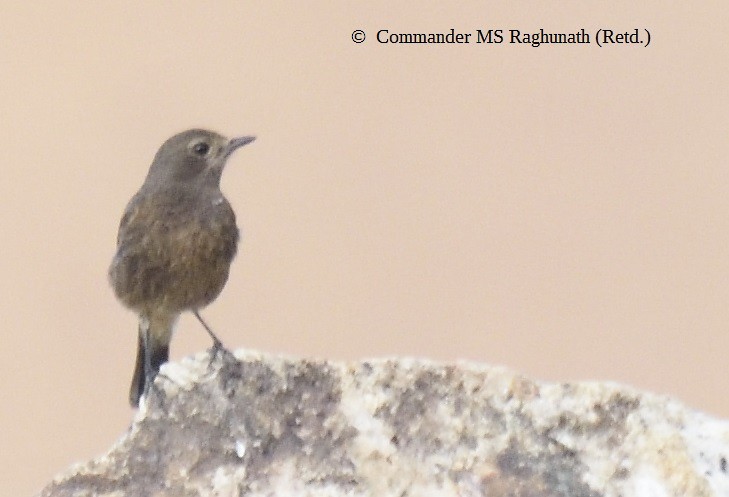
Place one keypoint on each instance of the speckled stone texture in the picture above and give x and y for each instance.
(258, 425)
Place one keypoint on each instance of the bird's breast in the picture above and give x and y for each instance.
(175, 257)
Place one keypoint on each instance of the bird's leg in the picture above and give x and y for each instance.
(148, 376)
(149, 373)
(217, 344)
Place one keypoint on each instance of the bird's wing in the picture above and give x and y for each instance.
(130, 214)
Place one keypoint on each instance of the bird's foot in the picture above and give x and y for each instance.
(153, 390)
(166, 378)
(220, 351)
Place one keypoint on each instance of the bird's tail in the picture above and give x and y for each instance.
(151, 353)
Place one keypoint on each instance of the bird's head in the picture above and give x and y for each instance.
(194, 157)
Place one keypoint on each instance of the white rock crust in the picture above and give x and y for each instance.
(258, 425)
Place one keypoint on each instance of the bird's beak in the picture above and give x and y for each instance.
(237, 143)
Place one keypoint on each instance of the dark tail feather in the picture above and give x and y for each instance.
(158, 355)
(137, 388)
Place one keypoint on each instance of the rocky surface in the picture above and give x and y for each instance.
(258, 425)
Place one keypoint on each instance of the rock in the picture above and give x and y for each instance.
(257, 425)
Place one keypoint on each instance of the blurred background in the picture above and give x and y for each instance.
(560, 210)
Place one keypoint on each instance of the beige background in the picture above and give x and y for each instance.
(563, 210)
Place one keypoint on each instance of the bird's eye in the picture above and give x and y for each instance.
(201, 148)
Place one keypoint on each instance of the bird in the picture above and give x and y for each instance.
(177, 238)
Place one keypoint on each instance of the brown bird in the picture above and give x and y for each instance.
(176, 241)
